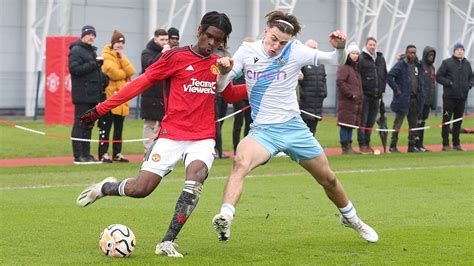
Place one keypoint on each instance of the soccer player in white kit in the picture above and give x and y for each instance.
(271, 67)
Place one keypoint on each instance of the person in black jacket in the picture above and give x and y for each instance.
(87, 87)
(152, 108)
(373, 71)
(313, 90)
(455, 74)
(429, 56)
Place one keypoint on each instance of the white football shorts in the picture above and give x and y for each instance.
(165, 153)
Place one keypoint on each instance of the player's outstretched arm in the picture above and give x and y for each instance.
(224, 64)
(338, 56)
(235, 93)
(131, 90)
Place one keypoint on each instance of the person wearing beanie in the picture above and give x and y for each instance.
(407, 82)
(173, 35)
(373, 71)
(152, 108)
(120, 70)
(87, 86)
(350, 97)
(455, 74)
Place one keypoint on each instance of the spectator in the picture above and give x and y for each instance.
(152, 108)
(119, 70)
(455, 74)
(350, 97)
(313, 90)
(221, 106)
(408, 95)
(173, 37)
(429, 55)
(87, 85)
(373, 71)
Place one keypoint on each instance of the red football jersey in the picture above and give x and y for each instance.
(189, 103)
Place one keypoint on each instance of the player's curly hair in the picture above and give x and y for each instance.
(285, 22)
(218, 20)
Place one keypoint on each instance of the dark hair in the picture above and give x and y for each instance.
(352, 63)
(370, 39)
(273, 21)
(160, 32)
(410, 46)
(218, 20)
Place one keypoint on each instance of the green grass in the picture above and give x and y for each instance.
(16, 143)
(420, 204)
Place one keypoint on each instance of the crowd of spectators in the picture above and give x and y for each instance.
(360, 82)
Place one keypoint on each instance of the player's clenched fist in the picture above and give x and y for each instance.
(337, 39)
(225, 65)
(89, 117)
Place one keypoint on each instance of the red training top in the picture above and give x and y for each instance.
(189, 103)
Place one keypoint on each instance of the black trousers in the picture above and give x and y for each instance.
(452, 109)
(105, 125)
(81, 148)
(412, 118)
(421, 123)
(221, 110)
(239, 121)
(370, 109)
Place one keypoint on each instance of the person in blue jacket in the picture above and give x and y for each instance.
(406, 80)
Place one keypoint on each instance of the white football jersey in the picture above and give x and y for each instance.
(271, 81)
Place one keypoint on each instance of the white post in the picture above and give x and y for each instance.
(152, 17)
(343, 16)
(30, 56)
(446, 27)
(255, 18)
(203, 7)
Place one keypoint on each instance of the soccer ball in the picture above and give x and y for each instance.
(117, 240)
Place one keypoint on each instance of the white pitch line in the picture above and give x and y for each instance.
(264, 175)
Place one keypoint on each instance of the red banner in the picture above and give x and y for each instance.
(58, 102)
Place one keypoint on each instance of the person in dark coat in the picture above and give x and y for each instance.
(455, 74)
(350, 97)
(429, 56)
(373, 71)
(173, 37)
(87, 89)
(152, 108)
(406, 80)
(313, 90)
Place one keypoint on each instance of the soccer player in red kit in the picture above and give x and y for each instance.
(188, 128)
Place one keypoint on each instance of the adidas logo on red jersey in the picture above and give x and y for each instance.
(190, 67)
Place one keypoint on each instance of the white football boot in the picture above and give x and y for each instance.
(92, 193)
(365, 231)
(168, 248)
(222, 226)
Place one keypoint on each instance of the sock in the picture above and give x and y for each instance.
(184, 207)
(114, 188)
(228, 210)
(349, 212)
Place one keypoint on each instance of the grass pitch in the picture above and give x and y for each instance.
(420, 204)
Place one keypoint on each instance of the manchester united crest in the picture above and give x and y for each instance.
(214, 69)
(156, 157)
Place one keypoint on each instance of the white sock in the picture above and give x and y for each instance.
(228, 210)
(121, 188)
(349, 212)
